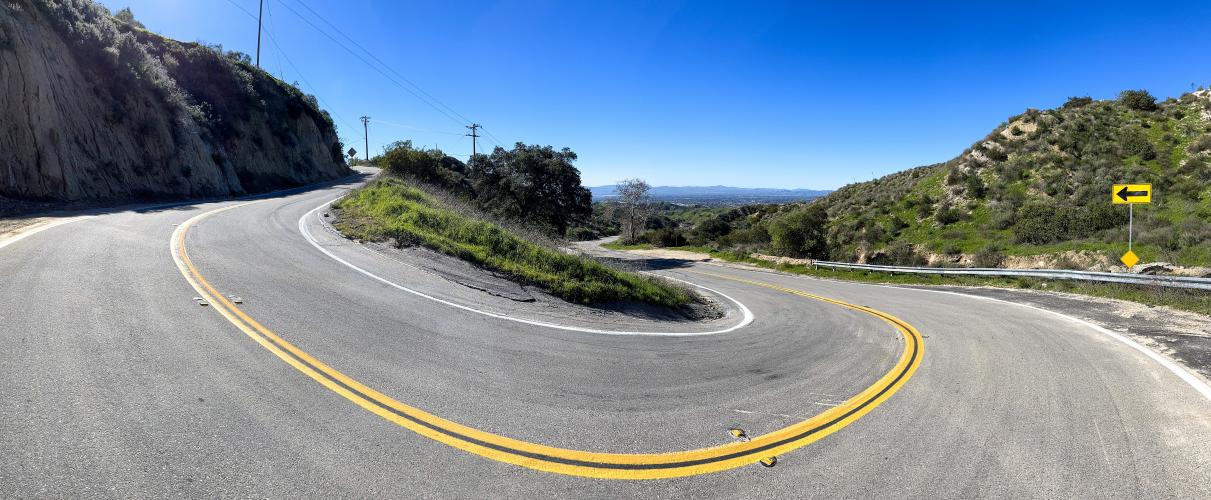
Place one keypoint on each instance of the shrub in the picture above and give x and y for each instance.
(990, 256)
(1135, 143)
(1038, 223)
(582, 234)
(800, 233)
(1202, 144)
(1139, 100)
(902, 253)
(1077, 102)
(712, 229)
(665, 237)
(947, 215)
(975, 186)
(128, 17)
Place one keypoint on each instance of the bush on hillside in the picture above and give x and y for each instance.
(800, 233)
(1077, 102)
(902, 253)
(1039, 223)
(990, 256)
(426, 165)
(665, 237)
(947, 215)
(1135, 143)
(1139, 100)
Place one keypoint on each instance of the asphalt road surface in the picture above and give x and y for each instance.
(338, 372)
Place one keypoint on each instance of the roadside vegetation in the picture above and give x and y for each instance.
(1035, 192)
(397, 210)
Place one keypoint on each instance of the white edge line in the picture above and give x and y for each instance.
(1193, 380)
(1189, 378)
(27, 232)
(748, 315)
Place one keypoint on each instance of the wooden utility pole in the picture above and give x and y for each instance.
(259, 16)
(366, 130)
(473, 135)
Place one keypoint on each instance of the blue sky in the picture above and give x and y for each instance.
(752, 94)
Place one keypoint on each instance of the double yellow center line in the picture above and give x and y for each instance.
(561, 460)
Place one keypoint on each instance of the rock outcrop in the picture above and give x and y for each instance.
(96, 108)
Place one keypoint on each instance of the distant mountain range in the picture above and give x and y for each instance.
(716, 193)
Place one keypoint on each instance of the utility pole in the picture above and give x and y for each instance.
(260, 14)
(366, 130)
(473, 135)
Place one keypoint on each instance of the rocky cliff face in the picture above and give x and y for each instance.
(95, 108)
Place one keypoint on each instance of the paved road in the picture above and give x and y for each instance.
(116, 383)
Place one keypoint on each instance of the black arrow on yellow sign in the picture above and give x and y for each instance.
(1126, 195)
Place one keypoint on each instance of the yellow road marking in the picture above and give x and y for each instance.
(561, 460)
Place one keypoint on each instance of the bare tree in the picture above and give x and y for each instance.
(633, 194)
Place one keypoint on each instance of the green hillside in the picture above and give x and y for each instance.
(1040, 184)
(1035, 192)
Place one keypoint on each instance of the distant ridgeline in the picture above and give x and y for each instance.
(97, 107)
(716, 194)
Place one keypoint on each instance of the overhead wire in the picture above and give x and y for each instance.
(414, 89)
(372, 66)
(380, 61)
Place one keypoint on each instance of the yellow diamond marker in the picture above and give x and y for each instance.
(1130, 259)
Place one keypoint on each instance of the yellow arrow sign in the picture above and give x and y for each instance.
(1125, 194)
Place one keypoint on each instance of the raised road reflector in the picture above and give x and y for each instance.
(1130, 194)
(1130, 259)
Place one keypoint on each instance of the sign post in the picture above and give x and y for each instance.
(1130, 195)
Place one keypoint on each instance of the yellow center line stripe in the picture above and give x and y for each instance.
(561, 460)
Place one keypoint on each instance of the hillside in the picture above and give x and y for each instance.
(1035, 192)
(97, 108)
(1039, 184)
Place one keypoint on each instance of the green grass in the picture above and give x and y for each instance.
(390, 209)
(618, 245)
(1186, 300)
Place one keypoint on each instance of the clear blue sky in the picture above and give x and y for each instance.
(770, 94)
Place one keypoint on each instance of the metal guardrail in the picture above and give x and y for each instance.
(1059, 274)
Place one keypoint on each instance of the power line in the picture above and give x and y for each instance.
(419, 92)
(241, 7)
(418, 129)
(297, 71)
(372, 66)
(380, 61)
